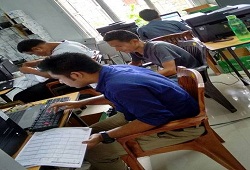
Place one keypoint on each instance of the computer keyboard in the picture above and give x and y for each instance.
(47, 119)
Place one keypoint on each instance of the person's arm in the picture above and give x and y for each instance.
(132, 127)
(31, 70)
(142, 34)
(96, 100)
(33, 63)
(183, 27)
(169, 68)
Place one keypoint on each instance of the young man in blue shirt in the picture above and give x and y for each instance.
(165, 55)
(157, 27)
(144, 99)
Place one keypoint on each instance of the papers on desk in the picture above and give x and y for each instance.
(28, 80)
(55, 147)
(94, 109)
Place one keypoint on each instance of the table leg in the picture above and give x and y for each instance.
(239, 61)
(244, 81)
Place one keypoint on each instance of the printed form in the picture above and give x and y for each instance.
(60, 147)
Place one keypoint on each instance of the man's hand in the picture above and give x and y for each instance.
(94, 140)
(66, 105)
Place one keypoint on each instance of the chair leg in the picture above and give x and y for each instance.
(212, 147)
(215, 94)
(131, 163)
(218, 137)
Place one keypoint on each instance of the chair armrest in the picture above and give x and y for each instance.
(173, 125)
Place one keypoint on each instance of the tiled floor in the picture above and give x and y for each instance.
(236, 135)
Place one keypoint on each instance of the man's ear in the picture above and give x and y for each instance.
(134, 41)
(76, 75)
(36, 49)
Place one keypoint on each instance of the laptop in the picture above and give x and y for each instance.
(25, 117)
(6, 70)
(12, 136)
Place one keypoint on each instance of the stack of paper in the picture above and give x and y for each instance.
(60, 147)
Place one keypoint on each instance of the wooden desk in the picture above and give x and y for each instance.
(3, 95)
(73, 96)
(219, 46)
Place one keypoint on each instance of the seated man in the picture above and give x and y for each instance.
(42, 48)
(163, 54)
(156, 27)
(143, 98)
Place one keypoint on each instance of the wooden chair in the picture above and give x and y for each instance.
(184, 36)
(199, 52)
(174, 38)
(208, 143)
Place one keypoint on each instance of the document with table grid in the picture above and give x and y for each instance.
(60, 147)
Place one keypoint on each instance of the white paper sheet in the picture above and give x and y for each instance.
(60, 147)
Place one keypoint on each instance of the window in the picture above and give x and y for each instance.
(171, 6)
(123, 8)
(87, 14)
(92, 14)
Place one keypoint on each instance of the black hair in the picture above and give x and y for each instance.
(27, 45)
(149, 14)
(65, 63)
(120, 35)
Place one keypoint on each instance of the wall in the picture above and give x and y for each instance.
(46, 13)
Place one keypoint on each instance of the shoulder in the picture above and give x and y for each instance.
(158, 44)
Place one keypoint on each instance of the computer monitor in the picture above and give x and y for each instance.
(6, 70)
(172, 16)
(223, 3)
(118, 26)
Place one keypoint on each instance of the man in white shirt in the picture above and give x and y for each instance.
(42, 48)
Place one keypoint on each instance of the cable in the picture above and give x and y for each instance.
(230, 122)
(228, 68)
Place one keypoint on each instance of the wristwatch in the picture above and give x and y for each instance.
(106, 138)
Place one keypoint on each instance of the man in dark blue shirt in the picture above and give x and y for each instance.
(157, 27)
(144, 99)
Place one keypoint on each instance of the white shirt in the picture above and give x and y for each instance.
(71, 46)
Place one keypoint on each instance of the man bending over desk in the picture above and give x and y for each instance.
(167, 56)
(144, 99)
(43, 48)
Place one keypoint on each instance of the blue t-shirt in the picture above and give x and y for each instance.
(144, 95)
(156, 28)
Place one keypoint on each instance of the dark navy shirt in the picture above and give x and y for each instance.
(142, 94)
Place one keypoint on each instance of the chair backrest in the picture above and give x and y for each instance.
(192, 81)
(196, 49)
(175, 38)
